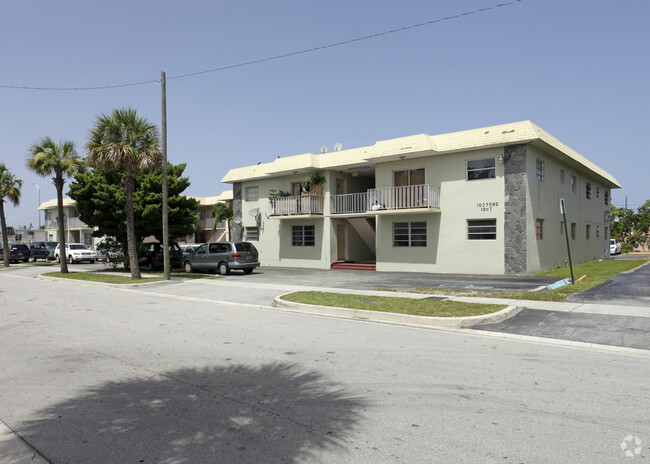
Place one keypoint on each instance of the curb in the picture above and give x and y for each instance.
(108, 285)
(397, 318)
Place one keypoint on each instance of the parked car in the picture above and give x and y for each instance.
(614, 247)
(152, 257)
(17, 252)
(223, 257)
(39, 253)
(75, 253)
(49, 246)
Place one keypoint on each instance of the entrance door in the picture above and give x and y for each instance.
(340, 242)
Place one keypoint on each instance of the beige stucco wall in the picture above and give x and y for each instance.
(544, 203)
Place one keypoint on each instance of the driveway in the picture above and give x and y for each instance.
(630, 289)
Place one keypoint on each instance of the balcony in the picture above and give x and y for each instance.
(424, 197)
(70, 223)
(299, 205)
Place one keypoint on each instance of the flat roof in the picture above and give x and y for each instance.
(425, 145)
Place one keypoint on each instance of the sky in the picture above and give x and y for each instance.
(578, 69)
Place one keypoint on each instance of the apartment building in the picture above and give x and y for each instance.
(478, 201)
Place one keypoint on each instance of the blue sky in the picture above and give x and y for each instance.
(579, 69)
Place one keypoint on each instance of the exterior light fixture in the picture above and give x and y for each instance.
(501, 158)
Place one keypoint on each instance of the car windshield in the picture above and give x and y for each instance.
(245, 246)
(51, 244)
(75, 246)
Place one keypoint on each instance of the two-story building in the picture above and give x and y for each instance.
(478, 201)
(76, 231)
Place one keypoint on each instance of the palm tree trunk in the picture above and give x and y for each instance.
(58, 183)
(130, 227)
(5, 239)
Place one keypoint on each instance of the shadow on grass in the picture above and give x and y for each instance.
(273, 413)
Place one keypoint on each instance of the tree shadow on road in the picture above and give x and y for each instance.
(267, 414)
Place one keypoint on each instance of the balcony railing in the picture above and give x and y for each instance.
(70, 223)
(389, 198)
(350, 203)
(296, 205)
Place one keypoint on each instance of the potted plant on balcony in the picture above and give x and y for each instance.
(315, 182)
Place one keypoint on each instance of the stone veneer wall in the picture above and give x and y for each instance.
(236, 229)
(514, 225)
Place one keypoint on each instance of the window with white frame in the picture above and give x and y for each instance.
(481, 169)
(574, 182)
(561, 176)
(588, 190)
(303, 236)
(607, 197)
(252, 193)
(481, 229)
(408, 177)
(409, 234)
(252, 234)
(539, 170)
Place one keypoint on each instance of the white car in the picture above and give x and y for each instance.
(75, 253)
(614, 247)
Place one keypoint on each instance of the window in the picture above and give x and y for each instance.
(252, 234)
(252, 193)
(587, 231)
(296, 188)
(607, 197)
(539, 228)
(573, 184)
(597, 231)
(597, 192)
(481, 169)
(303, 236)
(561, 227)
(539, 170)
(481, 229)
(561, 176)
(573, 231)
(588, 190)
(409, 234)
(410, 177)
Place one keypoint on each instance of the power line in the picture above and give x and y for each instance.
(271, 58)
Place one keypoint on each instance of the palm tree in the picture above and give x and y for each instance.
(61, 160)
(9, 189)
(222, 212)
(123, 140)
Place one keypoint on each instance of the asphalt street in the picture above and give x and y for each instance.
(113, 375)
(631, 289)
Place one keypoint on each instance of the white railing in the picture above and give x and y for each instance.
(70, 223)
(350, 203)
(407, 197)
(299, 204)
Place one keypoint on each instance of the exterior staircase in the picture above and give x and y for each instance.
(353, 266)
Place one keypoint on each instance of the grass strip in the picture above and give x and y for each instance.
(97, 277)
(597, 272)
(415, 307)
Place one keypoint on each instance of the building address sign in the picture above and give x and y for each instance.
(487, 206)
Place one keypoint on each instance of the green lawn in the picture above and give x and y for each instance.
(596, 273)
(97, 277)
(420, 307)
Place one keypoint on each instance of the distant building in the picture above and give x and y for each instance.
(478, 201)
(76, 230)
(206, 206)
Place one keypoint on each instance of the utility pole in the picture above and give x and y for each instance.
(165, 215)
(39, 203)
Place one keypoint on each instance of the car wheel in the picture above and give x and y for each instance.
(92, 261)
(70, 260)
(148, 266)
(57, 259)
(224, 269)
(187, 267)
(248, 270)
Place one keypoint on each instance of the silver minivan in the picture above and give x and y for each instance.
(222, 257)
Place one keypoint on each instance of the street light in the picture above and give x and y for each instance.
(39, 203)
